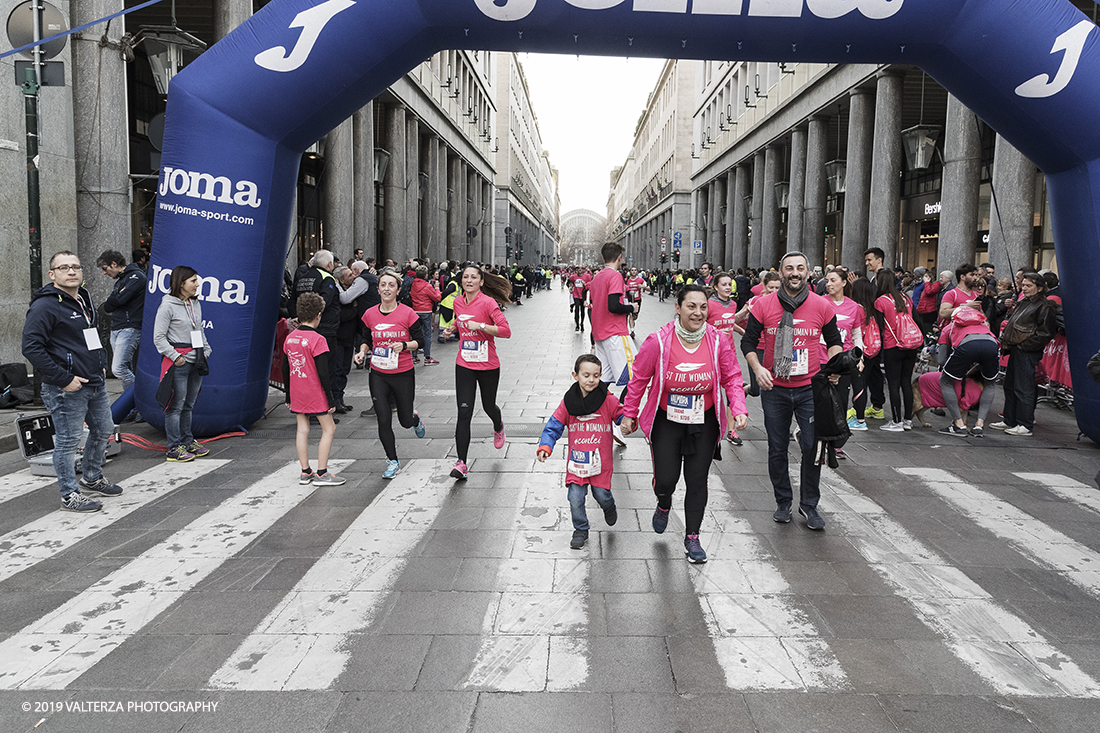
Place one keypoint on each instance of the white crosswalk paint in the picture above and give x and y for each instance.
(55, 650)
(537, 640)
(18, 483)
(999, 647)
(1067, 488)
(301, 645)
(47, 536)
(1035, 539)
(763, 641)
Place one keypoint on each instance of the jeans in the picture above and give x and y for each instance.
(124, 344)
(426, 324)
(780, 405)
(1020, 393)
(342, 356)
(577, 494)
(70, 410)
(177, 418)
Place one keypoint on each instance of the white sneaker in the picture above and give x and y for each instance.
(1018, 430)
(906, 424)
(892, 427)
(999, 426)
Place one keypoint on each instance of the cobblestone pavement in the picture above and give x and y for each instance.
(956, 586)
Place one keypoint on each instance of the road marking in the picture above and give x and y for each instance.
(999, 647)
(302, 644)
(763, 641)
(1033, 538)
(61, 646)
(59, 530)
(16, 484)
(1067, 488)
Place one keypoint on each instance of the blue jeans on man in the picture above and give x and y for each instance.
(577, 495)
(780, 405)
(70, 411)
(124, 345)
(186, 383)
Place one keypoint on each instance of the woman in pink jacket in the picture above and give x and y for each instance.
(685, 367)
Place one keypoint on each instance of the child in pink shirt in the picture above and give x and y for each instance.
(588, 411)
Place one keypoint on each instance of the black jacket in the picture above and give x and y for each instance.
(316, 280)
(53, 338)
(127, 301)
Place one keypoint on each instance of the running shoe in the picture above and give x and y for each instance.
(782, 514)
(892, 427)
(955, 430)
(429, 360)
(416, 360)
(197, 449)
(498, 439)
(1019, 430)
(391, 469)
(694, 550)
(306, 478)
(580, 539)
(813, 519)
(856, 424)
(77, 502)
(611, 515)
(660, 520)
(1000, 426)
(841, 454)
(327, 479)
(459, 471)
(734, 438)
(906, 424)
(977, 432)
(876, 412)
(100, 486)
(179, 454)
(419, 427)
(851, 413)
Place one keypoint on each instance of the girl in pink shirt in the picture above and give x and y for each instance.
(722, 314)
(479, 322)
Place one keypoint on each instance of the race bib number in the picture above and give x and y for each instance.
(91, 339)
(474, 351)
(584, 463)
(800, 363)
(383, 357)
(686, 408)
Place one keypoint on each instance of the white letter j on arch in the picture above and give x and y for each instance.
(312, 22)
(1072, 42)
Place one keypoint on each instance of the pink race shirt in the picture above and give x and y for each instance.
(579, 286)
(386, 330)
(809, 319)
(301, 347)
(721, 316)
(606, 324)
(634, 286)
(689, 373)
(889, 309)
(588, 435)
(477, 349)
(849, 316)
(955, 298)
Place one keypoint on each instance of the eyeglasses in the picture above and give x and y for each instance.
(67, 268)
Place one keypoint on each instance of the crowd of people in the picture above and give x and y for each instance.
(684, 386)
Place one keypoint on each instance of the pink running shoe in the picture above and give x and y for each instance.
(498, 439)
(459, 471)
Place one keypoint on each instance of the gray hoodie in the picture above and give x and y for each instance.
(174, 326)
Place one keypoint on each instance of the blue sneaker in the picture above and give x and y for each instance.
(419, 427)
(855, 424)
(694, 550)
(391, 469)
(660, 520)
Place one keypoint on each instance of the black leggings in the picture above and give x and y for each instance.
(667, 449)
(578, 311)
(899, 364)
(387, 390)
(466, 383)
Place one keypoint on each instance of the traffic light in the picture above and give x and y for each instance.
(508, 252)
(676, 256)
(664, 258)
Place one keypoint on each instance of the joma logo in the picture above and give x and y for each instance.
(208, 187)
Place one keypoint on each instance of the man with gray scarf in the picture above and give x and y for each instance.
(781, 346)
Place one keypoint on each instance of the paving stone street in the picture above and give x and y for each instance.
(956, 586)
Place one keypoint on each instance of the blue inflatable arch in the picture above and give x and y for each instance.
(240, 116)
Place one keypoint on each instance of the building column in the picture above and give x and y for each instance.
(861, 132)
(436, 190)
(739, 253)
(228, 14)
(962, 172)
(1012, 220)
(716, 244)
(441, 176)
(473, 207)
(412, 187)
(394, 233)
(731, 207)
(339, 191)
(884, 221)
(796, 201)
(101, 145)
(769, 215)
(363, 144)
(755, 234)
(817, 191)
(455, 208)
(487, 225)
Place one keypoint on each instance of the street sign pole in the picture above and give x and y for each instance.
(34, 213)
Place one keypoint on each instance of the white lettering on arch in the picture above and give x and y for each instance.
(873, 9)
(509, 10)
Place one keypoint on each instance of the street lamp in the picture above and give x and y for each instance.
(169, 49)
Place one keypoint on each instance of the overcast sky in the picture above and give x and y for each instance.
(587, 107)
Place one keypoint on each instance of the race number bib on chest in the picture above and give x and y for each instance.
(383, 357)
(686, 408)
(584, 463)
(800, 362)
(474, 351)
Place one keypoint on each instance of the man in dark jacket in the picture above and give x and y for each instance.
(318, 279)
(61, 341)
(125, 304)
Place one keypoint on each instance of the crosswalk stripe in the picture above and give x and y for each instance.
(301, 644)
(55, 650)
(537, 640)
(1066, 488)
(18, 483)
(1035, 539)
(998, 646)
(762, 640)
(59, 530)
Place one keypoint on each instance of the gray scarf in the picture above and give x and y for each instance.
(784, 338)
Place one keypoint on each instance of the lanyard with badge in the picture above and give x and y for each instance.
(196, 331)
(91, 334)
